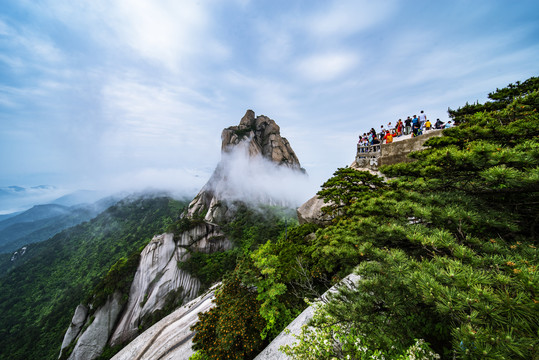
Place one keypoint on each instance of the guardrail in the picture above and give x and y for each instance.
(367, 155)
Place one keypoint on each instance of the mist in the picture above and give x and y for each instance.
(255, 179)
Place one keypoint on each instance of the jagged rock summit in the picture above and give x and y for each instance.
(263, 137)
(254, 141)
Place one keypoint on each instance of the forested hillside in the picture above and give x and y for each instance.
(38, 297)
(446, 248)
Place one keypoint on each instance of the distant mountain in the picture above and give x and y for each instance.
(44, 221)
(18, 198)
(36, 213)
(7, 216)
(78, 197)
(19, 190)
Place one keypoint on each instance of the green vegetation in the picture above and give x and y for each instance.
(231, 329)
(446, 250)
(249, 228)
(38, 297)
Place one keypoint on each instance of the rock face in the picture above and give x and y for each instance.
(81, 312)
(92, 341)
(254, 137)
(264, 138)
(171, 337)
(158, 275)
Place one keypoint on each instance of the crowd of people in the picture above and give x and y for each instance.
(414, 126)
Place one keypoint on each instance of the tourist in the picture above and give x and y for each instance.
(381, 133)
(388, 137)
(428, 125)
(422, 118)
(399, 127)
(407, 125)
(415, 125)
(448, 125)
(438, 124)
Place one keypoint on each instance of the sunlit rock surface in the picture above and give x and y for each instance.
(170, 338)
(81, 312)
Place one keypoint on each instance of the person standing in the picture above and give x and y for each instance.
(399, 127)
(415, 125)
(408, 125)
(422, 118)
(382, 133)
(428, 125)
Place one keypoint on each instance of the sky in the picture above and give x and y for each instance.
(129, 94)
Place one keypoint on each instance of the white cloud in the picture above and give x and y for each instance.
(143, 119)
(165, 31)
(180, 181)
(169, 33)
(254, 179)
(327, 66)
(346, 17)
(27, 47)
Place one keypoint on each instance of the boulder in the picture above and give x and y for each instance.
(311, 212)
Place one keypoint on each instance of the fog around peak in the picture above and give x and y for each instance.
(255, 179)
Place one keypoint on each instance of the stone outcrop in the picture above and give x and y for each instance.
(81, 312)
(156, 279)
(99, 326)
(158, 275)
(255, 137)
(311, 212)
(171, 337)
(264, 139)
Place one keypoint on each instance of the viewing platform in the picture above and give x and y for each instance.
(373, 156)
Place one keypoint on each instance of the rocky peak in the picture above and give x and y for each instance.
(256, 137)
(263, 137)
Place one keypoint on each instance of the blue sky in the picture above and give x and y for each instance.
(134, 93)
